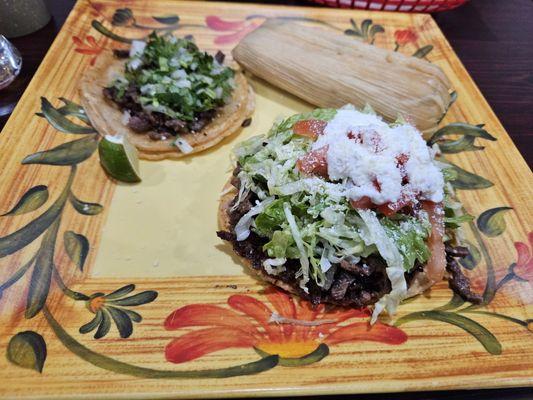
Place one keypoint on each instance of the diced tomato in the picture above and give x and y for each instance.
(376, 184)
(402, 159)
(389, 209)
(362, 203)
(437, 262)
(311, 128)
(357, 136)
(315, 162)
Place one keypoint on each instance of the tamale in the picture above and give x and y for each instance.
(330, 70)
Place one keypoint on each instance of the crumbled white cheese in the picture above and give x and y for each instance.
(364, 152)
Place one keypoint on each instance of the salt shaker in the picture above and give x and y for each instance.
(10, 62)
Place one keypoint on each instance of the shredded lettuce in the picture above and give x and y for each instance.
(410, 235)
(375, 233)
(325, 114)
(242, 229)
(304, 260)
(309, 219)
(270, 219)
(457, 220)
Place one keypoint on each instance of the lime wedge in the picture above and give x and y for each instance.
(119, 158)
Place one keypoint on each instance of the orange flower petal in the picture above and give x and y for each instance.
(306, 312)
(198, 343)
(342, 314)
(363, 331)
(258, 311)
(281, 301)
(284, 306)
(207, 315)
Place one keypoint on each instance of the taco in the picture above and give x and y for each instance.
(169, 98)
(340, 207)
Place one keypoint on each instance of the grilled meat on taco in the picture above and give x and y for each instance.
(340, 207)
(167, 96)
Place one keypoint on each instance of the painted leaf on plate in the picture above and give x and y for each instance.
(73, 109)
(106, 32)
(464, 143)
(34, 198)
(84, 207)
(472, 259)
(27, 350)
(482, 334)
(492, 222)
(465, 180)
(19, 239)
(122, 17)
(77, 248)
(42, 273)
(69, 153)
(462, 129)
(423, 51)
(169, 19)
(59, 120)
(137, 299)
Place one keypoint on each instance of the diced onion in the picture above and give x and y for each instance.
(126, 117)
(183, 145)
(135, 63)
(273, 266)
(137, 47)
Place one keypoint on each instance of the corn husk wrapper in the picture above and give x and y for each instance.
(331, 70)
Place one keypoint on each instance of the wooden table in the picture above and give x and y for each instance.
(492, 38)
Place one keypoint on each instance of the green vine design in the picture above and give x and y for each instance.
(491, 224)
(28, 349)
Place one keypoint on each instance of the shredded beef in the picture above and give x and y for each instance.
(251, 248)
(340, 285)
(457, 281)
(357, 268)
(160, 126)
(220, 57)
(121, 53)
(457, 251)
(139, 123)
(354, 284)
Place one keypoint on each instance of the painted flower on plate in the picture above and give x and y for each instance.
(88, 46)
(233, 31)
(113, 307)
(524, 262)
(405, 36)
(283, 326)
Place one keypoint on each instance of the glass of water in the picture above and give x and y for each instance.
(10, 62)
